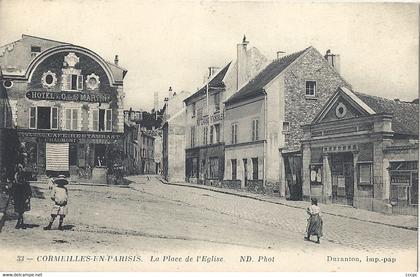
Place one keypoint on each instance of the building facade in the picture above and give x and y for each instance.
(362, 151)
(67, 106)
(263, 121)
(205, 111)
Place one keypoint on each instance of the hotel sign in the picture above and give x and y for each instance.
(213, 119)
(68, 96)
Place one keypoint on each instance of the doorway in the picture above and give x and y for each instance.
(342, 173)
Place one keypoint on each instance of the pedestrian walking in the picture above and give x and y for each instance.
(22, 194)
(314, 225)
(59, 195)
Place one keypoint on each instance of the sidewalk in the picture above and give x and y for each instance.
(399, 221)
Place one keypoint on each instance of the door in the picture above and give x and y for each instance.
(342, 173)
(245, 171)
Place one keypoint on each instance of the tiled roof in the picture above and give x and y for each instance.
(405, 114)
(215, 82)
(255, 86)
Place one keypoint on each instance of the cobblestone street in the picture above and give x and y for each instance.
(152, 217)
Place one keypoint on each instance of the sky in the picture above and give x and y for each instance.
(172, 43)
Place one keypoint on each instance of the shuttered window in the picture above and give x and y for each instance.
(72, 82)
(108, 120)
(255, 130)
(32, 118)
(54, 118)
(72, 117)
(95, 114)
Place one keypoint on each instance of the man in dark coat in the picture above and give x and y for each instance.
(22, 194)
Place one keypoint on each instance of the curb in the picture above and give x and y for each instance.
(286, 205)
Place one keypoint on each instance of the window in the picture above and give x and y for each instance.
(404, 183)
(217, 102)
(286, 127)
(199, 113)
(234, 133)
(102, 120)
(205, 134)
(193, 109)
(310, 88)
(72, 82)
(217, 132)
(365, 173)
(72, 116)
(7, 84)
(234, 168)
(255, 168)
(254, 129)
(43, 118)
(35, 50)
(211, 134)
(192, 136)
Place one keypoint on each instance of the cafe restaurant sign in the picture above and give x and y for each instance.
(68, 96)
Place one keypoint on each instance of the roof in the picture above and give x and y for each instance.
(257, 84)
(405, 114)
(215, 82)
(16, 61)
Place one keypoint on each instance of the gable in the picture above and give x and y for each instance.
(344, 104)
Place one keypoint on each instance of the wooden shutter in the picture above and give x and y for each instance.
(108, 120)
(75, 119)
(68, 119)
(79, 82)
(54, 118)
(57, 156)
(95, 114)
(65, 84)
(32, 118)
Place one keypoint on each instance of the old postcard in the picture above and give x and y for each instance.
(208, 136)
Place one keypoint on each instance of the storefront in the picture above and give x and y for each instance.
(362, 151)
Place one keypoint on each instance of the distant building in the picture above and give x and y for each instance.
(173, 138)
(362, 150)
(67, 106)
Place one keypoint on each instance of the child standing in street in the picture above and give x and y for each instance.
(59, 195)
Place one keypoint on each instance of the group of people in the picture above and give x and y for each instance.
(22, 193)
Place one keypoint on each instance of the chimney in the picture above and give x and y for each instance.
(241, 63)
(280, 54)
(170, 93)
(116, 60)
(212, 70)
(333, 60)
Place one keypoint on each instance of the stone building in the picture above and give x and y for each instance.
(205, 138)
(263, 121)
(67, 106)
(362, 151)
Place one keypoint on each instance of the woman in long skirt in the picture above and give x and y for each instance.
(314, 226)
(21, 195)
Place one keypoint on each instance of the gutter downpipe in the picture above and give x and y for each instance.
(265, 138)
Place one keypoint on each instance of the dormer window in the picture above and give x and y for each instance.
(72, 82)
(35, 50)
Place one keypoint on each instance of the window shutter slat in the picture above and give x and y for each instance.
(68, 119)
(95, 115)
(80, 82)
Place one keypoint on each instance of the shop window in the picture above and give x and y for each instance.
(234, 169)
(102, 120)
(73, 154)
(310, 88)
(43, 118)
(234, 138)
(72, 117)
(254, 130)
(255, 168)
(214, 167)
(365, 173)
(316, 174)
(404, 185)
